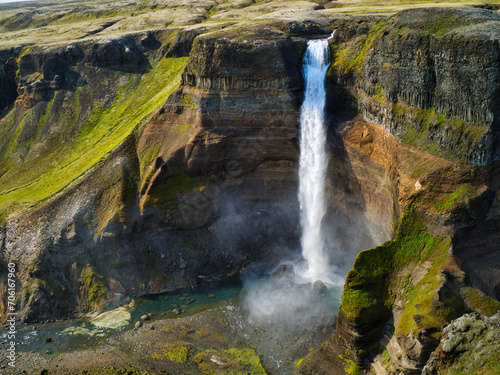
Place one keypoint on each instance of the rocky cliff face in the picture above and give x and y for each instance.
(468, 344)
(413, 75)
(175, 191)
(157, 160)
(175, 205)
(429, 77)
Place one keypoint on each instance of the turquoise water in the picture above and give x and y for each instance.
(287, 323)
(161, 305)
(85, 333)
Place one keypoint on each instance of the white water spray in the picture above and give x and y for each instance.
(314, 160)
(292, 302)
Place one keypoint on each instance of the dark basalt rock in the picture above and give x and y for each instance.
(284, 272)
(116, 53)
(8, 84)
(297, 28)
(443, 60)
(320, 287)
(182, 44)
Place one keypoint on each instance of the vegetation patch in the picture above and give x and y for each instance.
(450, 201)
(93, 285)
(422, 310)
(177, 354)
(232, 361)
(386, 359)
(350, 367)
(165, 195)
(482, 356)
(119, 371)
(349, 58)
(370, 288)
(306, 365)
(422, 128)
(480, 302)
(64, 156)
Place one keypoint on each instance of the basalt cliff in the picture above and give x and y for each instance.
(162, 158)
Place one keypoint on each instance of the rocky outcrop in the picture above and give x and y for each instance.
(429, 76)
(383, 307)
(469, 344)
(8, 84)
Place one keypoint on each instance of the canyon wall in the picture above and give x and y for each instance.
(427, 81)
(167, 159)
(163, 160)
(163, 193)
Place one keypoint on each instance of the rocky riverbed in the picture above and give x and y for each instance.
(220, 339)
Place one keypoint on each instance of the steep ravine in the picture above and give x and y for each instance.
(426, 77)
(167, 159)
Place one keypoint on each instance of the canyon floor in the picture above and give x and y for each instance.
(221, 339)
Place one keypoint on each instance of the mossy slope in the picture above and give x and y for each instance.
(51, 145)
(369, 291)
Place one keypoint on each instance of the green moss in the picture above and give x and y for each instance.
(307, 366)
(441, 24)
(236, 361)
(166, 195)
(452, 200)
(93, 285)
(379, 93)
(186, 100)
(351, 368)
(349, 58)
(417, 124)
(386, 358)
(368, 291)
(120, 371)
(298, 362)
(147, 155)
(177, 354)
(481, 302)
(64, 157)
(422, 311)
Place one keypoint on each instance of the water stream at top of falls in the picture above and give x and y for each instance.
(313, 160)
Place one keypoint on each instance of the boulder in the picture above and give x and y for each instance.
(320, 287)
(284, 272)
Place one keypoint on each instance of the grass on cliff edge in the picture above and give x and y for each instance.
(350, 57)
(368, 294)
(26, 184)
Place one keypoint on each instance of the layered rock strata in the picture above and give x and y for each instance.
(167, 159)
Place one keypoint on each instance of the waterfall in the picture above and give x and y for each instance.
(313, 160)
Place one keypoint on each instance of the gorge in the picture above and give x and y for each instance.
(140, 156)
